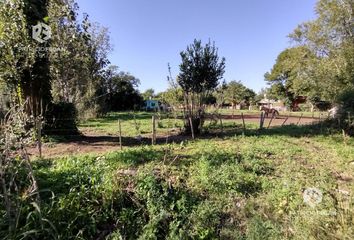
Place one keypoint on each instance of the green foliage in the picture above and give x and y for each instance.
(77, 67)
(200, 73)
(235, 93)
(289, 76)
(346, 113)
(61, 119)
(148, 94)
(172, 96)
(259, 229)
(66, 68)
(239, 187)
(347, 100)
(117, 91)
(330, 38)
(320, 65)
(30, 79)
(201, 68)
(20, 207)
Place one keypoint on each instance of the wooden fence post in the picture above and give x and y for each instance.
(120, 135)
(153, 139)
(192, 127)
(286, 119)
(261, 121)
(271, 120)
(300, 119)
(39, 136)
(243, 122)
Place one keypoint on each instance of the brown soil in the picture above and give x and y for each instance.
(276, 121)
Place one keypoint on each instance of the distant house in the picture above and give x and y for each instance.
(155, 105)
(271, 103)
(152, 105)
(265, 102)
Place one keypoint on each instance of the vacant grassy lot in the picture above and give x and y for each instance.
(233, 185)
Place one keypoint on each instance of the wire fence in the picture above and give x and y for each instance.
(152, 128)
(163, 127)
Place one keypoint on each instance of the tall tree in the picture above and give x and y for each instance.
(65, 68)
(291, 75)
(236, 93)
(77, 67)
(22, 66)
(200, 72)
(330, 37)
(118, 91)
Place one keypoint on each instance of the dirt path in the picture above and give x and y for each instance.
(277, 121)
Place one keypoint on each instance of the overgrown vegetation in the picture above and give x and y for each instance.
(236, 181)
(70, 66)
(237, 187)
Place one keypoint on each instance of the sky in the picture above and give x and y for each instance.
(149, 34)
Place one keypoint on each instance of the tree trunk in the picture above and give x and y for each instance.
(35, 81)
(196, 125)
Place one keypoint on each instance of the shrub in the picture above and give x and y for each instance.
(61, 119)
(347, 102)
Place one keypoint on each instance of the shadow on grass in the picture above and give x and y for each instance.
(326, 128)
(114, 117)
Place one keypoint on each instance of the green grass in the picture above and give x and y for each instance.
(140, 123)
(132, 123)
(229, 187)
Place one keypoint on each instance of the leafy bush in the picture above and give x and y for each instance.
(347, 100)
(347, 111)
(61, 119)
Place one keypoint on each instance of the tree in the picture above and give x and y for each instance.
(78, 67)
(118, 91)
(148, 94)
(200, 73)
(66, 68)
(320, 65)
(330, 37)
(172, 96)
(219, 94)
(236, 92)
(291, 75)
(23, 67)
